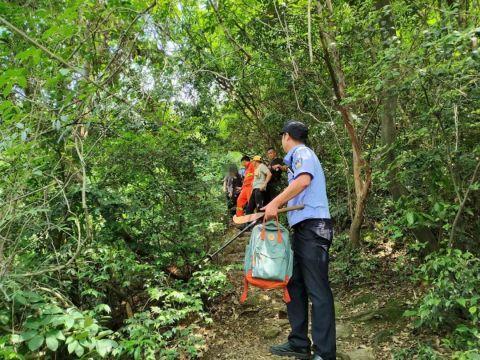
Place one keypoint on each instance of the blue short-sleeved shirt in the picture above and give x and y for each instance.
(302, 160)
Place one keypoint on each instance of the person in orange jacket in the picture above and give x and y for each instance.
(247, 186)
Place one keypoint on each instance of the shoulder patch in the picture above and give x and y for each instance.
(298, 163)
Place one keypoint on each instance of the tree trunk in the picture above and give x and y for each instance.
(388, 106)
(362, 173)
(355, 226)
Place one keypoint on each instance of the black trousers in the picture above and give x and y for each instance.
(273, 189)
(232, 203)
(311, 241)
(257, 201)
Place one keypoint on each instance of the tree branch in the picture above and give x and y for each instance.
(462, 205)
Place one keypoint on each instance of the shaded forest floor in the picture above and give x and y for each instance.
(369, 317)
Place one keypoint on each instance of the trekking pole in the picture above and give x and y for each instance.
(210, 256)
(253, 219)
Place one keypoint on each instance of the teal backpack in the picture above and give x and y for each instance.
(268, 259)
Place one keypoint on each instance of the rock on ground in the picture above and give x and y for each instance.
(361, 354)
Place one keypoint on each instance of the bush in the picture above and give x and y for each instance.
(467, 355)
(350, 266)
(419, 352)
(44, 326)
(452, 301)
(169, 329)
(166, 326)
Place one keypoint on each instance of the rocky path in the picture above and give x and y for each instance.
(369, 319)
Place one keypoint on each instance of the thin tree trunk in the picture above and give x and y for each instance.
(388, 107)
(362, 173)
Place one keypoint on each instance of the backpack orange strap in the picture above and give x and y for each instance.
(286, 295)
(245, 290)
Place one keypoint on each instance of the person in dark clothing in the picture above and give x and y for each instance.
(232, 184)
(276, 167)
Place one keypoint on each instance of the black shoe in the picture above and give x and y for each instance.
(289, 350)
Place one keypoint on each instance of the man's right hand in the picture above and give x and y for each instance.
(271, 211)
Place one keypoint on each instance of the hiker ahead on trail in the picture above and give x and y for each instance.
(247, 186)
(276, 167)
(262, 176)
(312, 236)
(232, 184)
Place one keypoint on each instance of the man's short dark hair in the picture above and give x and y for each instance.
(245, 158)
(271, 148)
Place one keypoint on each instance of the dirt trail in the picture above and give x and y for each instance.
(369, 319)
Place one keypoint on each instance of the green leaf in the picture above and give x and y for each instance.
(27, 335)
(409, 313)
(69, 321)
(20, 299)
(35, 342)
(137, 353)
(59, 335)
(90, 344)
(79, 350)
(105, 346)
(472, 310)
(88, 321)
(72, 346)
(475, 186)
(16, 339)
(52, 343)
(104, 308)
(410, 218)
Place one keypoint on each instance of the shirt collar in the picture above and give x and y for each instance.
(288, 158)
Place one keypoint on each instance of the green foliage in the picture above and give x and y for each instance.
(170, 328)
(210, 283)
(420, 352)
(350, 266)
(46, 326)
(467, 355)
(452, 299)
(145, 335)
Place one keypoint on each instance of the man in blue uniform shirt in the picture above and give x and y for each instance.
(312, 236)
